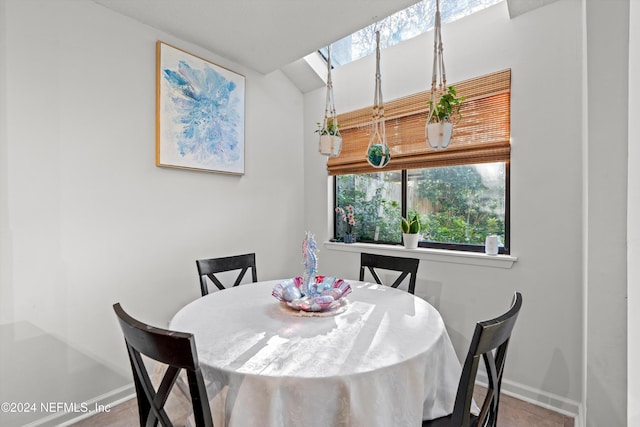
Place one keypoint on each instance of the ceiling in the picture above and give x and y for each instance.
(264, 35)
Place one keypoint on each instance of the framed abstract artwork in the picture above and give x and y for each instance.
(199, 113)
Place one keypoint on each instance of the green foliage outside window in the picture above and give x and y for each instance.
(466, 205)
(376, 199)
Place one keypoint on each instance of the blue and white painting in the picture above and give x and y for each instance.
(200, 114)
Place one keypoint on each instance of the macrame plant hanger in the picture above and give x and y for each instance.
(330, 140)
(378, 154)
(438, 131)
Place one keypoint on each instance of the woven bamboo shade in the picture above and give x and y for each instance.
(482, 135)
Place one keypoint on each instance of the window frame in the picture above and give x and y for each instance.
(504, 249)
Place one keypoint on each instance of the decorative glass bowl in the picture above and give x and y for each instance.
(324, 293)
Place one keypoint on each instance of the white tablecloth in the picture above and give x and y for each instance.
(385, 361)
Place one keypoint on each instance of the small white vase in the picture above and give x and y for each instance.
(439, 134)
(330, 145)
(491, 244)
(410, 240)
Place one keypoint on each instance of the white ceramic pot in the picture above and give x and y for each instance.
(439, 134)
(330, 145)
(491, 245)
(410, 240)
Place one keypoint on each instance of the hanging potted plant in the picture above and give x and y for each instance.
(444, 105)
(442, 115)
(330, 139)
(410, 229)
(378, 153)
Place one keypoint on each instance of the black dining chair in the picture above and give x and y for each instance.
(490, 341)
(208, 268)
(176, 350)
(407, 267)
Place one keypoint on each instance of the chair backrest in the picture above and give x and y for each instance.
(490, 341)
(177, 350)
(407, 267)
(207, 268)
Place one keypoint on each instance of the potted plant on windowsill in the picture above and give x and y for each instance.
(348, 216)
(330, 139)
(410, 231)
(442, 115)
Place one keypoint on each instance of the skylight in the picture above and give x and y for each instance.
(403, 25)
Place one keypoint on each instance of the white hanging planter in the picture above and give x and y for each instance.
(330, 145)
(439, 134)
(444, 104)
(410, 240)
(330, 142)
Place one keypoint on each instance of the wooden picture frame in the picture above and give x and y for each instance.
(200, 110)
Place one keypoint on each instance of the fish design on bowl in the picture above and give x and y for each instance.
(328, 293)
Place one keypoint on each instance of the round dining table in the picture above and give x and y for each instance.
(383, 358)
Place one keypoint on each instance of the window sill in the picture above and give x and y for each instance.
(439, 255)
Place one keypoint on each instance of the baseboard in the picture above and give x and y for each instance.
(528, 394)
(102, 402)
(537, 397)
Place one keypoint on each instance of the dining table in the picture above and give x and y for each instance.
(382, 358)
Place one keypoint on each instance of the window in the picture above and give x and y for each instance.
(403, 25)
(458, 205)
(461, 194)
(377, 199)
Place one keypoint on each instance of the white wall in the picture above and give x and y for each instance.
(607, 73)
(6, 305)
(543, 50)
(87, 219)
(633, 241)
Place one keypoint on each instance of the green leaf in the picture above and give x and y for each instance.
(410, 226)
